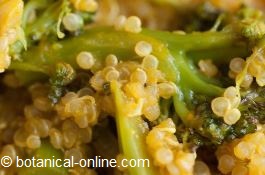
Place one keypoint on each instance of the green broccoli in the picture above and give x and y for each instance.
(46, 151)
(64, 74)
(42, 20)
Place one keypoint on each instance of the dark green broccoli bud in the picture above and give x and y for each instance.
(212, 130)
(246, 125)
(253, 105)
(64, 74)
(251, 23)
(212, 127)
(253, 29)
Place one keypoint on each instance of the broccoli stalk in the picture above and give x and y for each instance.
(131, 135)
(48, 24)
(49, 20)
(46, 151)
(102, 41)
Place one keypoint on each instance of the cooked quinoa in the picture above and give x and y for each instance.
(177, 83)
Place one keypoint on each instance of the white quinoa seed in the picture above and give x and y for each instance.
(85, 60)
(133, 24)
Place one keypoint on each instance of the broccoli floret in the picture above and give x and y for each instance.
(211, 129)
(253, 29)
(250, 23)
(253, 105)
(63, 75)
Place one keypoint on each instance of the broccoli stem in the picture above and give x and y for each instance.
(219, 55)
(31, 6)
(189, 83)
(181, 108)
(46, 151)
(46, 22)
(131, 135)
(102, 41)
(190, 79)
(198, 40)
